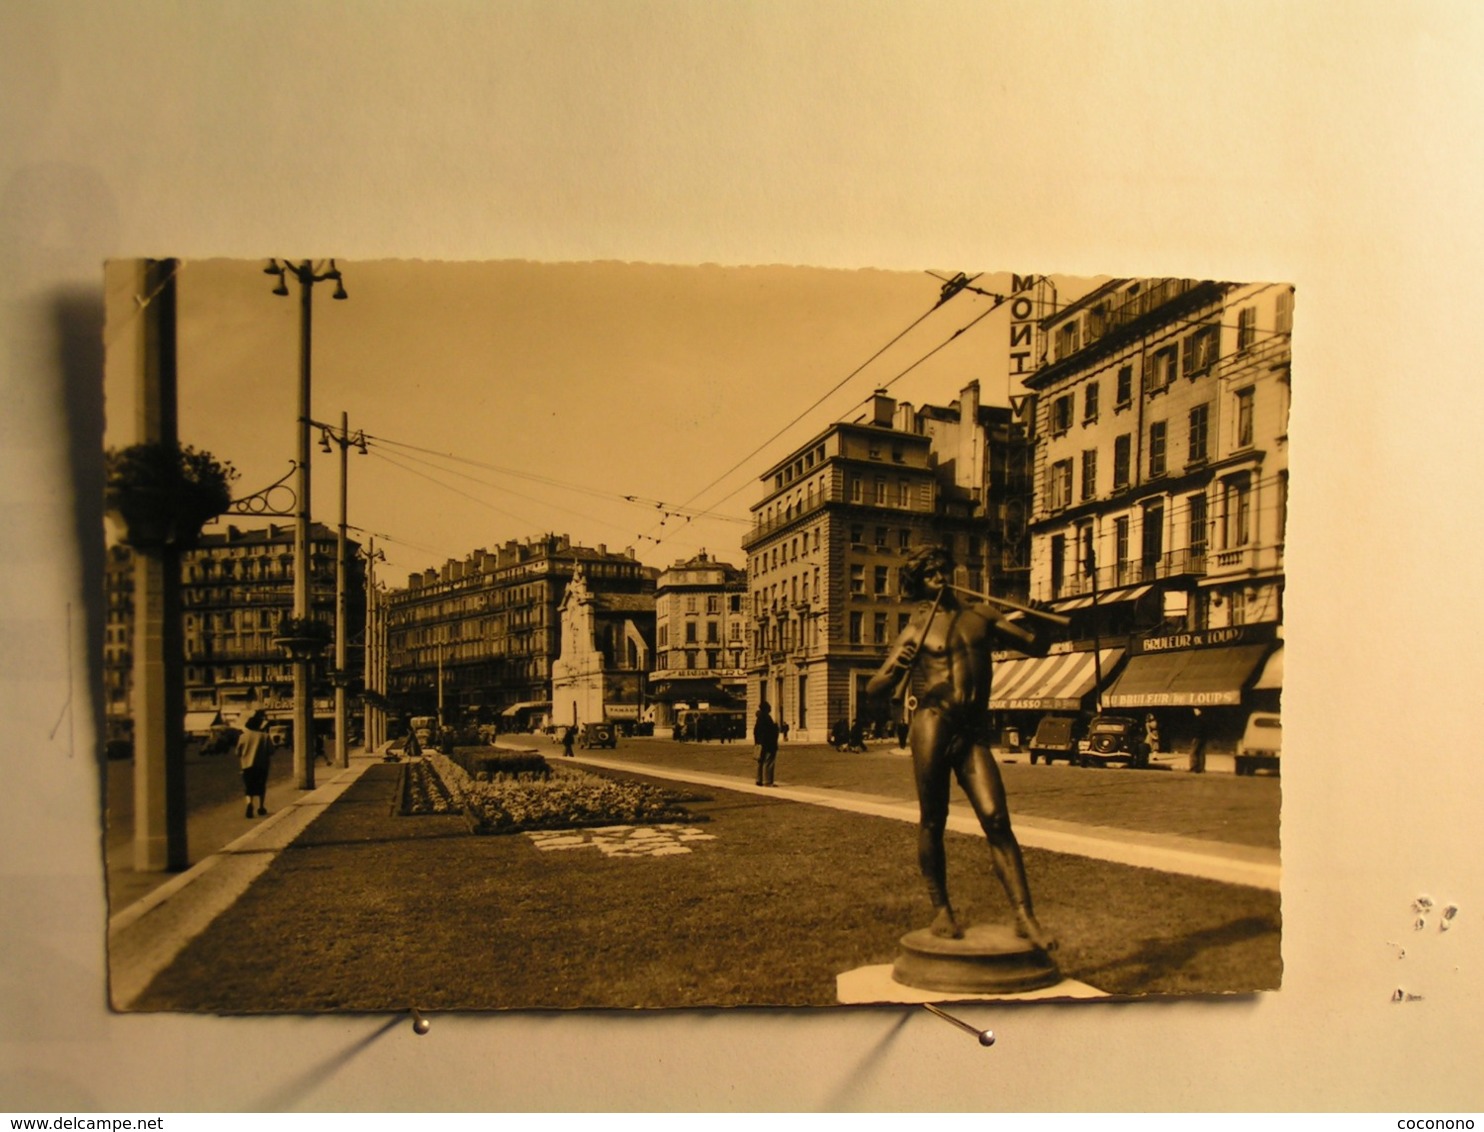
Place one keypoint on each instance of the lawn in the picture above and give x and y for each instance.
(769, 902)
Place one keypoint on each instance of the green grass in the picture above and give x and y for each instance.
(1215, 807)
(372, 912)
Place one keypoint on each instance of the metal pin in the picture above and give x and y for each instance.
(986, 1037)
(420, 1024)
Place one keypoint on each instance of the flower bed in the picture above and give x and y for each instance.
(423, 791)
(568, 799)
(482, 764)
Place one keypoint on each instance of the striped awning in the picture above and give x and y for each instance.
(1107, 597)
(1187, 678)
(1048, 683)
(1271, 679)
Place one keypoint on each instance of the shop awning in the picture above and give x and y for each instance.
(1189, 678)
(1106, 597)
(202, 721)
(526, 705)
(1271, 679)
(1048, 683)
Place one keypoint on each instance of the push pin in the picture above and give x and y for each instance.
(986, 1037)
(420, 1023)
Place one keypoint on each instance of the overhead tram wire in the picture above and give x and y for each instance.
(999, 301)
(449, 487)
(671, 510)
(508, 491)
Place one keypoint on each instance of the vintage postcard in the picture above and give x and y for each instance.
(514, 635)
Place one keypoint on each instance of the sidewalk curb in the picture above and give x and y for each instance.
(148, 935)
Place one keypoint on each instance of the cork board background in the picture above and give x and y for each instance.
(1235, 141)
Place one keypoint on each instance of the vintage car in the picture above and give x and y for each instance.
(602, 734)
(1056, 738)
(1114, 738)
(1262, 743)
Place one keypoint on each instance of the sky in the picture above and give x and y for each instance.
(505, 400)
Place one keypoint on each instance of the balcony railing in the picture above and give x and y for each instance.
(1188, 562)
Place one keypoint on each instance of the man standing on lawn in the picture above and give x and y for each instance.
(765, 735)
(942, 659)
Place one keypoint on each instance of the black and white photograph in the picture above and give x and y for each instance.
(516, 635)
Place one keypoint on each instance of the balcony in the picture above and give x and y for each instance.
(1189, 562)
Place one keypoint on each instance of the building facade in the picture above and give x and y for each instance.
(477, 637)
(838, 519)
(236, 586)
(701, 642)
(1161, 488)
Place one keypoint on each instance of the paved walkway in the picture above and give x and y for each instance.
(1188, 856)
(147, 935)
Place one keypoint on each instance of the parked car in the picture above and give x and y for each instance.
(1262, 743)
(1114, 738)
(602, 734)
(1056, 738)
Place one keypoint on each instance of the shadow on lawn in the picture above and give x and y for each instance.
(1155, 958)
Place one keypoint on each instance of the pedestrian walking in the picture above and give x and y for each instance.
(254, 754)
(765, 735)
(568, 736)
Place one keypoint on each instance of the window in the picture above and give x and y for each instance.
(1244, 399)
(734, 630)
(690, 604)
(857, 578)
(878, 629)
(1086, 556)
(904, 496)
(1061, 414)
(857, 534)
(1154, 539)
(1201, 349)
(855, 489)
(713, 634)
(904, 540)
(1246, 329)
(1200, 432)
(1238, 509)
(1122, 460)
(903, 620)
(1060, 489)
(873, 448)
(1068, 339)
(1160, 372)
(664, 636)
(690, 632)
(881, 538)
(735, 603)
(1237, 599)
(806, 587)
(1196, 535)
(1283, 313)
(713, 603)
(857, 621)
(1058, 564)
(880, 491)
(1090, 402)
(1124, 393)
(880, 580)
(1120, 550)
(1157, 431)
(1089, 473)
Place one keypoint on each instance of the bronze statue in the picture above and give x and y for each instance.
(941, 663)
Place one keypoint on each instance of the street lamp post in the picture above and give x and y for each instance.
(346, 442)
(307, 276)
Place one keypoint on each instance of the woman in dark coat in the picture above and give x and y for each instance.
(765, 735)
(254, 753)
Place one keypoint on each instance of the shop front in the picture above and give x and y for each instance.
(1027, 688)
(1197, 688)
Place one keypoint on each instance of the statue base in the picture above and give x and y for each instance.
(989, 959)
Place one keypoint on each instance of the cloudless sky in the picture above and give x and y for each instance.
(503, 400)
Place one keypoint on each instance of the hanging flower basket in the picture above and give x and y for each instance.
(165, 493)
(303, 638)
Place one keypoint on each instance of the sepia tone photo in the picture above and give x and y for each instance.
(502, 636)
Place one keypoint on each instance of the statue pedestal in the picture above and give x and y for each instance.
(989, 959)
